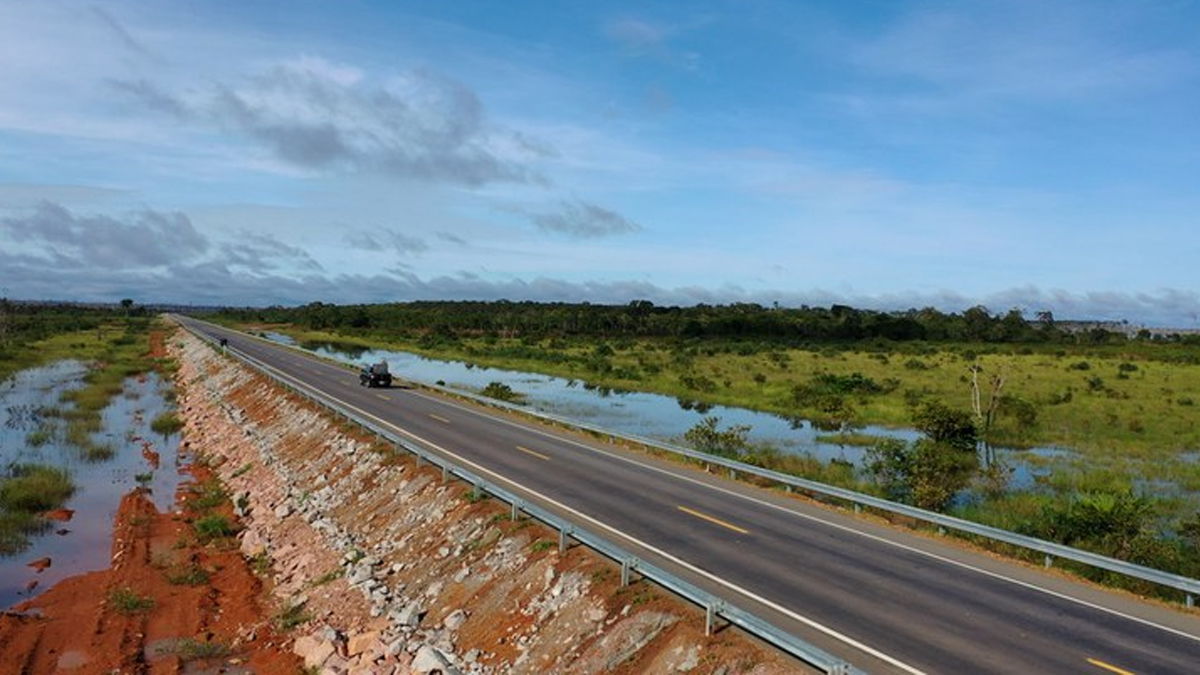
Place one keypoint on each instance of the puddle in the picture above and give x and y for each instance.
(84, 542)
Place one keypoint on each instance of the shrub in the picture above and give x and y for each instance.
(35, 487)
(501, 392)
(125, 601)
(213, 526)
(166, 424)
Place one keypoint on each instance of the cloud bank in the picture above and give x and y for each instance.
(317, 115)
(160, 257)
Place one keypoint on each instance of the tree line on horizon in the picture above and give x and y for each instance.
(644, 319)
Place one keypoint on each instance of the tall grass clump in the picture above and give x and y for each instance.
(27, 491)
(166, 424)
(35, 488)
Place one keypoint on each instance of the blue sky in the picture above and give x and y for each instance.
(1042, 155)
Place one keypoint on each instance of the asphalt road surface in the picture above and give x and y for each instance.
(884, 599)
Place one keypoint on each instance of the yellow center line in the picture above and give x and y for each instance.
(1109, 667)
(532, 452)
(715, 521)
(439, 418)
(386, 398)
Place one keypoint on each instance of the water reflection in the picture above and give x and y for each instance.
(652, 416)
(84, 542)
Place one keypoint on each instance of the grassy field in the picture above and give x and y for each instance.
(1139, 403)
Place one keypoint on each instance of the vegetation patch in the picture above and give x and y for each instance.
(188, 574)
(125, 601)
(294, 616)
(213, 527)
(166, 424)
(501, 392)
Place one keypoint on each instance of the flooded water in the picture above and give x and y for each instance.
(84, 543)
(646, 415)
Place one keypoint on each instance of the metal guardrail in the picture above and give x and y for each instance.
(715, 607)
(1050, 550)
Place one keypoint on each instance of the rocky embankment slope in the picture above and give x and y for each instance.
(377, 566)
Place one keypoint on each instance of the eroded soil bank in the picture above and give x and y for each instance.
(372, 565)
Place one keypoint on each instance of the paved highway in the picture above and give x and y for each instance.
(885, 600)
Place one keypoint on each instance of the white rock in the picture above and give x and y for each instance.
(455, 619)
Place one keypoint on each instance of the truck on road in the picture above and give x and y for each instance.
(375, 375)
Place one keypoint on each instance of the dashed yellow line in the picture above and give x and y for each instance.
(439, 418)
(532, 452)
(386, 398)
(715, 521)
(1109, 667)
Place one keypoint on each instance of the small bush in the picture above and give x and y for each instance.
(292, 617)
(191, 649)
(126, 601)
(213, 526)
(189, 574)
(166, 424)
(501, 392)
(35, 487)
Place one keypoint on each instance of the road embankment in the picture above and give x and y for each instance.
(376, 565)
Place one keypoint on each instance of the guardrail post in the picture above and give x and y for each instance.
(733, 474)
(446, 472)
(420, 458)
(710, 616)
(857, 508)
(564, 530)
(476, 491)
(516, 510)
(626, 568)
(1048, 562)
(1190, 601)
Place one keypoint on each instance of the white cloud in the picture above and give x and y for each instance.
(583, 220)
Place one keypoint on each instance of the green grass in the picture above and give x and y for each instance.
(191, 649)
(1140, 415)
(293, 617)
(188, 574)
(125, 601)
(34, 488)
(213, 527)
(15, 529)
(166, 424)
(542, 545)
(43, 435)
(208, 495)
(326, 577)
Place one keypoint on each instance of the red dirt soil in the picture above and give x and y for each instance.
(91, 623)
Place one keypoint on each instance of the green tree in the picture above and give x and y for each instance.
(707, 436)
(928, 472)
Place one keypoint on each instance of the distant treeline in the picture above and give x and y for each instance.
(642, 318)
(25, 322)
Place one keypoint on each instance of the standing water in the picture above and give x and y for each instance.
(653, 416)
(31, 433)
